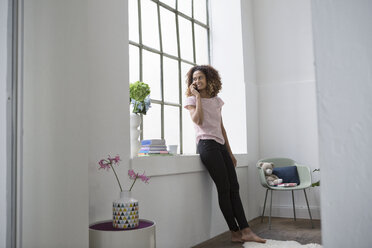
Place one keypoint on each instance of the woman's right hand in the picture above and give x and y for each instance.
(193, 90)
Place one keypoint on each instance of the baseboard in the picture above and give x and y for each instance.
(287, 211)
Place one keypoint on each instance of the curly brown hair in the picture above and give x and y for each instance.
(213, 78)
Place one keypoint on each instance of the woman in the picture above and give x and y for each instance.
(203, 85)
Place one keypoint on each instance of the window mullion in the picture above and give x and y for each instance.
(179, 78)
(161, 73)
(180, 13)
(140, 38)
(208, 33)
(159, 52)
(140, 56)
(193, 30)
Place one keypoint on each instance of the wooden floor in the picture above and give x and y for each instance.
(281, 229)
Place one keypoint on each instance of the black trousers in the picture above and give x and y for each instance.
(217, 161)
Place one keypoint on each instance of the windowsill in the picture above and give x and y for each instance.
(177, 164)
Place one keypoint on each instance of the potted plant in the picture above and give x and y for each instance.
(316, 183)
(139, 93)
(125, 211)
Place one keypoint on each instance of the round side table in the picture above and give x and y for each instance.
(103, 234)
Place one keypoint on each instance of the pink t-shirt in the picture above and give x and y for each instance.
(211, 127)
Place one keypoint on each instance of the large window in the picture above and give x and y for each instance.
(167, 38)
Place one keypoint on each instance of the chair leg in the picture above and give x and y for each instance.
(294, 210)
(271, 204)
(308, 208)
(264, 206)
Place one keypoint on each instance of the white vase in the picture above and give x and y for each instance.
(125, 213)
(135, 122)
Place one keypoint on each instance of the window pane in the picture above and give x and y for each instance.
(200, 10)
(184, 6)
(168, 30)
(171, 84)
(184, 70)
(172, 125)
(185, 31)
(133, 20)
(134, 74)
(150, 28)
(171, 3)
(152, 123)
(188, 133)
(151, 73)
(201, 45)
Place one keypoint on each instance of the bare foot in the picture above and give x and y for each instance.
(236, 237)
(249, 236)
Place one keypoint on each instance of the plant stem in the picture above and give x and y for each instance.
(133, 183)
(135, 110)
(121, 190)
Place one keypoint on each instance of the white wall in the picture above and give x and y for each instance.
(180, 204)
(233, 55)
(286, 92)
(343, 38)
(74, 92)
(251, 92)
(227, 58)
(3, 127)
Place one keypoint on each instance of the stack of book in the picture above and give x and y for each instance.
(153, 147)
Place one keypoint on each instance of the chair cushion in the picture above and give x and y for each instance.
(289, 174)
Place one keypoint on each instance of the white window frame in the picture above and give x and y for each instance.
(162, 54)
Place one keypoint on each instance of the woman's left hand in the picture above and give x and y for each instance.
(235, 162)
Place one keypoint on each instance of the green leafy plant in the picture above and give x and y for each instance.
(139, 93)
(318, 182)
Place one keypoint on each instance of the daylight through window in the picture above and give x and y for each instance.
(167, 38)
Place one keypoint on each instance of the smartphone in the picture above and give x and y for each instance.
(196, 87)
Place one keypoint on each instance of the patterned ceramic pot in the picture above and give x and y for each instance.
(125, 211)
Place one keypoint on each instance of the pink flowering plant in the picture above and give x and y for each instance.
(134, 176)
(109, 162)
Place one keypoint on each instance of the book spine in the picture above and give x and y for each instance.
(153, 148)
(153, 142)
(154, 152)
(144, 150)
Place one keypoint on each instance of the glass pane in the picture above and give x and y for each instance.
(188, 133)
(169, 32)
(150, 28)
(185, 31)
(134, 74)
(184, 70)
(184, 6)
(171, 3)
(172, 125)
(133, 20)
(151, 73)
(201, 45)
(152, 123)
(200, 10)
(171, 84)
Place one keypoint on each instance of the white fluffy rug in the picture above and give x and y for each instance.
(279, 244)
